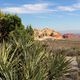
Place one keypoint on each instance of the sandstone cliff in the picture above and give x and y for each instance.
(46, 33)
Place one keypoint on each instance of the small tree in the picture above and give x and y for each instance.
(29, 30)
(8, 23)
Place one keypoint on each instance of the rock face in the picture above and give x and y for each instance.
(46, 33)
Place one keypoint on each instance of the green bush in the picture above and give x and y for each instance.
(9, 23)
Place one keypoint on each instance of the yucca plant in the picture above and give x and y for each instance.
(30, 61)
(8, 65)
(42, 65)
(58, 66)
(33, 67)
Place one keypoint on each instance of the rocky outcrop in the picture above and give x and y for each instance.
(46, 33)
(71, 36)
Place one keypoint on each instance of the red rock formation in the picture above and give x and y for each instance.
(71, 36)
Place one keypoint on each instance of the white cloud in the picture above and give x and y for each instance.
(65, 8)
(29, 8)
(73, 7)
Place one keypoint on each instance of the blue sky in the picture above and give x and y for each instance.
(56, 14)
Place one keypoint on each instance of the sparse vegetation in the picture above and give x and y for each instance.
(23, 58)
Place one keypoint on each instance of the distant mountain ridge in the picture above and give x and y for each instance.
(47, 33)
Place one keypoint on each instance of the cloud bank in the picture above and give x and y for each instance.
(41, 8)
(29, 8)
